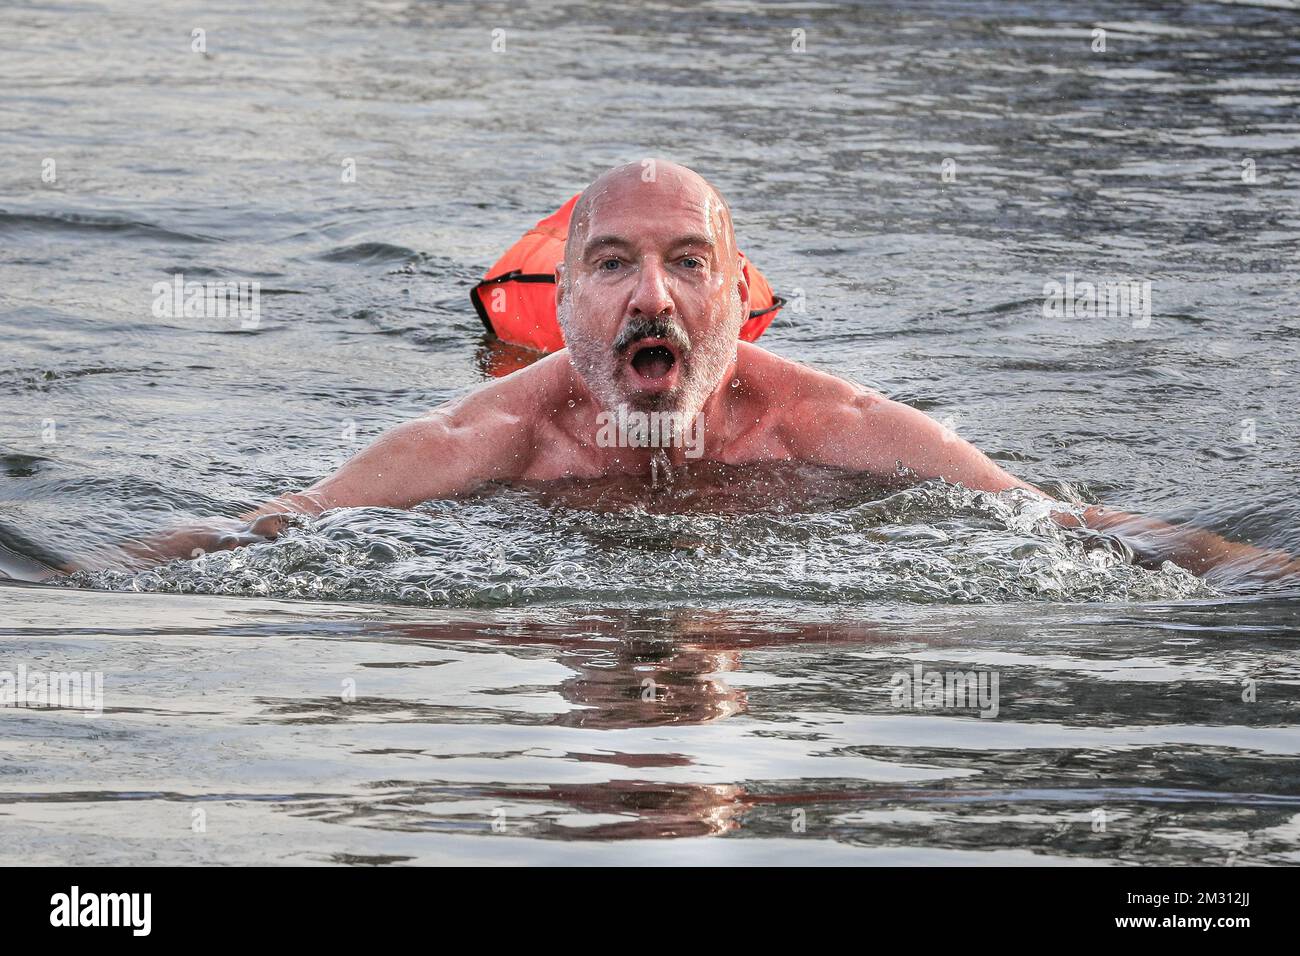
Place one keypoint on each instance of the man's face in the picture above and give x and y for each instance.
(649, 298)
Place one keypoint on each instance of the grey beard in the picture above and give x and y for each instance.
(705, 361)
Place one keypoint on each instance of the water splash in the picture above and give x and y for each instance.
(661, 471)
(931, 543)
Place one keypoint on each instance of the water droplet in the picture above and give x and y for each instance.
(572, 403)
(735, 383)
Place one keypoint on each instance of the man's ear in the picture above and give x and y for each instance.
(742, 286)
(559, 286)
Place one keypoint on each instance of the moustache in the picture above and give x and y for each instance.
(638, 329)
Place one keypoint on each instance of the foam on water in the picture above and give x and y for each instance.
(931, 543)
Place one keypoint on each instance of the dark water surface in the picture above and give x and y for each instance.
(517, 678)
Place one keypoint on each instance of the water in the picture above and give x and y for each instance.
(604, 673)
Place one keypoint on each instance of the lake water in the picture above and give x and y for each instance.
(649, 677)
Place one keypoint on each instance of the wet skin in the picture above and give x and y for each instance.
(641, 252)
(661, 255)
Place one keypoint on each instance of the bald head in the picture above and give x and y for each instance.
(651, 183)
(651, 295)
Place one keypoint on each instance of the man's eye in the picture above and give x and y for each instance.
(609, 265)
(693, 262)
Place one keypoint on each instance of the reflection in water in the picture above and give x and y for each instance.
(701, 665)
(364, 738)
(645, 672)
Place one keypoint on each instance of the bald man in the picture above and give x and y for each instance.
(651, 299)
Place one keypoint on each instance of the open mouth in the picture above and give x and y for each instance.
(655, 363)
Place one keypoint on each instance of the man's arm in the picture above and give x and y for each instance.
(1202, 552)
(448, 452)
(887, 432)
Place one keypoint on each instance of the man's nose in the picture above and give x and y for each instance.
(651, 296)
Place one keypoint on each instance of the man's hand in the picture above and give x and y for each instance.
(15, 566)
(189, 541)
(1202, 552)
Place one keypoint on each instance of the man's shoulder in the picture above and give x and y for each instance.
(801, 388)
(521, 397)
(829, 419)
